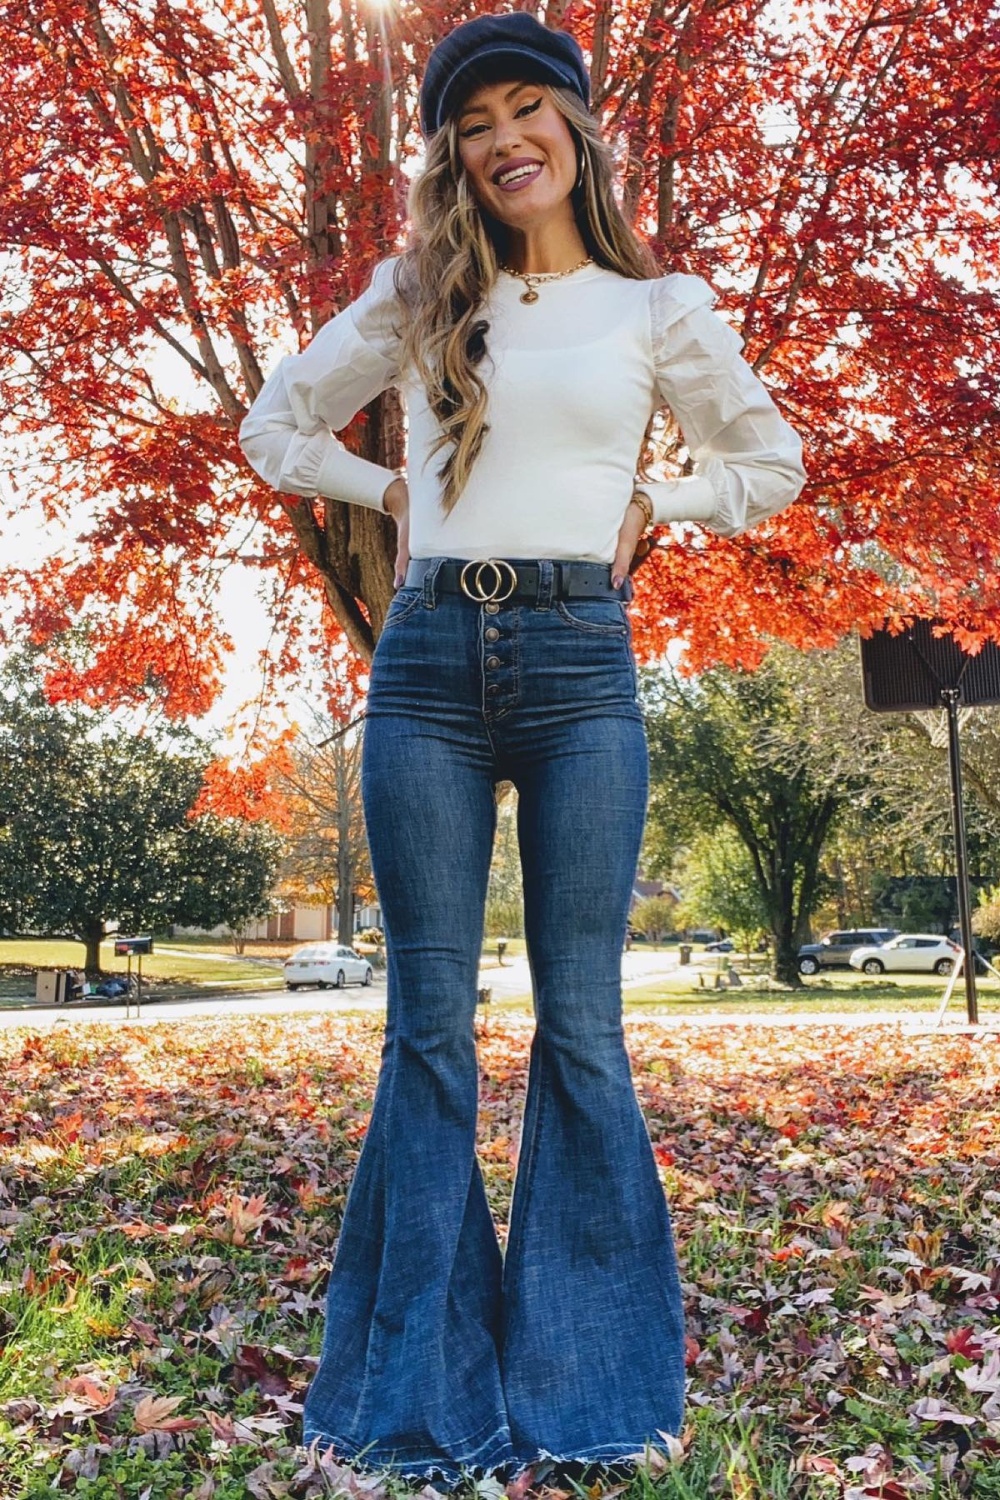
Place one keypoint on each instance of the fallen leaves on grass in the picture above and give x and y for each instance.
(156, 1414)
(168, 1230)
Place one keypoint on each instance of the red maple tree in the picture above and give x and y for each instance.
(186, 191)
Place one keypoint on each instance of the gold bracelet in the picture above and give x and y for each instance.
(640, 498)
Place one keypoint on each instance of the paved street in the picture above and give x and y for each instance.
(511, 981)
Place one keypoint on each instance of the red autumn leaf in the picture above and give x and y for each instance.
(96, 1396)
(143, 1331)
(964, 1341)
(252, 1368)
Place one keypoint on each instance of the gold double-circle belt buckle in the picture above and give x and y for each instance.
(496, 572)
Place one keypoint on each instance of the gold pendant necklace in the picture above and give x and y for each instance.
(532, 279)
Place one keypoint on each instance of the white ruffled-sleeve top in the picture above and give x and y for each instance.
(572, 380)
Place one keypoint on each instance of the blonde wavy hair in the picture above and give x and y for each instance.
(450, 264)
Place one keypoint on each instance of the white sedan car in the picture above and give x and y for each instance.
(327, 966)
(910, 953)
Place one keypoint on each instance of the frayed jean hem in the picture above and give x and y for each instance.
(503, 1465)
(484, 1460)
(604, 1453)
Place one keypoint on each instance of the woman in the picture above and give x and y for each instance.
(533, 340)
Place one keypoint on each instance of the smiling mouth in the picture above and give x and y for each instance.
(518, 175)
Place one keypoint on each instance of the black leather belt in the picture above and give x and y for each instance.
(502, 580)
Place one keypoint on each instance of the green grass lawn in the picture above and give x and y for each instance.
(189, 970)
(690, 990)
(833, 991)
(170, 1200)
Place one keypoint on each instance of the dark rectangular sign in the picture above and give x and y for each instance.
(908, 672)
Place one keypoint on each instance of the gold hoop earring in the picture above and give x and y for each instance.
(582, 171)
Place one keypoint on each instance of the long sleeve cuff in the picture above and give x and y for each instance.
(311, 464)
(729, 496)
(344, 476)
(691, 498)
(747, 458)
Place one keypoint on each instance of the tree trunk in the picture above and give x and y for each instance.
(785, 960)
(345, 862)
(784, 923)
(787, 937)
(773, 867)
(91, 939)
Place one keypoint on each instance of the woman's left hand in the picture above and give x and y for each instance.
(632, 528)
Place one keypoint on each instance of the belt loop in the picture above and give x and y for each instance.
(430, 579)
(546, 579)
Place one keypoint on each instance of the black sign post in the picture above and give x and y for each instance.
(125, 947)
(951, 698)
(924, 667)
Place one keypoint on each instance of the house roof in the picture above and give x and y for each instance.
(641, 889)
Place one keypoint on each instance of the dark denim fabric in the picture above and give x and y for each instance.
(441, 1355)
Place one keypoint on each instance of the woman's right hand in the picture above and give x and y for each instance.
(396, 501)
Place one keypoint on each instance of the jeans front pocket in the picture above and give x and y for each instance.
(404, 602)
(594, 616)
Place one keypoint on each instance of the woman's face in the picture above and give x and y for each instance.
(518, 152)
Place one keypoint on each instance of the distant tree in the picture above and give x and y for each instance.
(228, 868)
(720, 887)
(96, 826)
(844, 814)
(655, 916)
(773, 755)
(986, 920)
(326, 860)
(505, 889)
(980, 743)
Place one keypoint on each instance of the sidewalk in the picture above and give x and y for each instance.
(513, 979)
(372, 1001)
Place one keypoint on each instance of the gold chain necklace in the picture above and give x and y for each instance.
(532, 279)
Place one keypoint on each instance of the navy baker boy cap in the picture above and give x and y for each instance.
(487, 46)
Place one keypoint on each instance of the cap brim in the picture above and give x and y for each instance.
(494, 63)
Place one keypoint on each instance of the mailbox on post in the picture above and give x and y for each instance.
(125, 946)
(129, 947)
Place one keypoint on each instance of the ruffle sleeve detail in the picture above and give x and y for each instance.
(747, 458)
(288, 434)
(670, 298)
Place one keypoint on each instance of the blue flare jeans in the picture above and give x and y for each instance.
(442, 1356)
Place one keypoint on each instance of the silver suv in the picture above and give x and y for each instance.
(836, 947)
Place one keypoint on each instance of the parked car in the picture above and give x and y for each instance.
(724, 945)
(836, 947)
(327, 966)
(909, 953)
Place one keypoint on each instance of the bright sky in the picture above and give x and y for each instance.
(28, 538)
